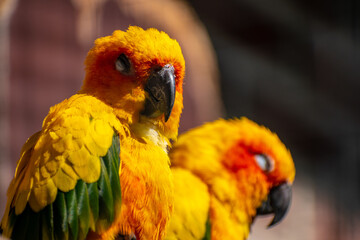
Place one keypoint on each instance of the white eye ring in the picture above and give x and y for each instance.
(264, 162)
(123, 64)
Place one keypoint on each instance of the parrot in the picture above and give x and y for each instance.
(226, 173)
(101, 157)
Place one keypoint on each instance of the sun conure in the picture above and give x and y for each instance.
(225, 174)
(121, 122)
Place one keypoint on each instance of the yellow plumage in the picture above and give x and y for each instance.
(192, 202)
(75, 134)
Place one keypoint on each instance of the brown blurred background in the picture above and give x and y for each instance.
(291, 65)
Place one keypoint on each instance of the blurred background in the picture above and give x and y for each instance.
(291, 65)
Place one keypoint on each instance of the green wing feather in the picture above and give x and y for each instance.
(88, 206)
(71, 204)
(83, 208)
(207, 235)
(94, 204)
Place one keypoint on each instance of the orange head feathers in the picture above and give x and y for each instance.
(120, 67)
(262, 151)
(246, 167)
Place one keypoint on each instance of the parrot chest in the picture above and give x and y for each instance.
(147, 189)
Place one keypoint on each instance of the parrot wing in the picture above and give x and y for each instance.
(190, 219)
(67, 178)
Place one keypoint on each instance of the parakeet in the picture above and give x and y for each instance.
(225, 174)
(101, 155)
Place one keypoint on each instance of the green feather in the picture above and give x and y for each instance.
(109, 185)
(115, 151)
(112, 162)
(47, 221)
(83, 208)
(73, 220)
(207, 235)
(106, 203)
(21, 225)
(94, 203)
(27, 226)
(60, 217)
(115, 155)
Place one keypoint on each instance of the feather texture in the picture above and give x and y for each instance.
(67, 162)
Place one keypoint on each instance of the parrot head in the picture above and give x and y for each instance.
(246, 167)
(264, 170)
(139, 73)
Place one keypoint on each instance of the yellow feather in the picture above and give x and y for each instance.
(191, 207)
(41, 195)
(92, 171)
(79, 157)
(62, 181)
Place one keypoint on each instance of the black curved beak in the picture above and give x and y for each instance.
(160, 97)
(278, 202)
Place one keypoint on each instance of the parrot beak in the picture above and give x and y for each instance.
(160, 93)
(278, 202)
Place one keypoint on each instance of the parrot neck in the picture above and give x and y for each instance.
(235, 203)
(227, 223)
(149, 132)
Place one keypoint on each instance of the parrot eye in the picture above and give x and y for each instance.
(264, 162)
(123, 65)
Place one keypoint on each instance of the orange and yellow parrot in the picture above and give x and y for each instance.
(121, 122)
(225, 174)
